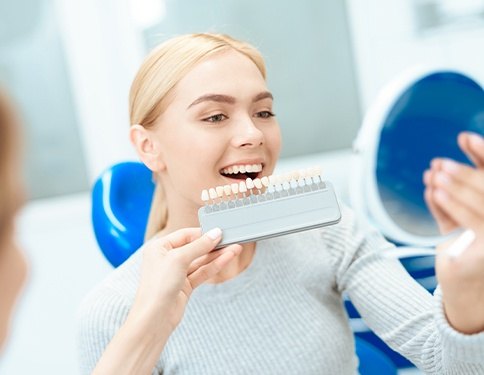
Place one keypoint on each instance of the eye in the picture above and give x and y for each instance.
(264, 114)
(215, 118)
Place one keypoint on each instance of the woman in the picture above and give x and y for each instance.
(202, 115)
(13, 267)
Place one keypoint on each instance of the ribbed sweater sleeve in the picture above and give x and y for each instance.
(104, 310)
(101, 315)
(396, 307)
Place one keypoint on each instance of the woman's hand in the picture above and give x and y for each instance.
(455, 195)
(173, 266)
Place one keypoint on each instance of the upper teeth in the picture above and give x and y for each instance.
(242, 169)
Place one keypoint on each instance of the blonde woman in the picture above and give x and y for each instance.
(13, 267)
(202, 116)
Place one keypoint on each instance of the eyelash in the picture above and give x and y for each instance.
(213, 118)
(267, 114)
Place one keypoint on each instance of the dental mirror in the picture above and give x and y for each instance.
(416, 118)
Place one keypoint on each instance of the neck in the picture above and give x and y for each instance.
(237, 265)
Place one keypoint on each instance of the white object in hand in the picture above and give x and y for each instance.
(460, 244)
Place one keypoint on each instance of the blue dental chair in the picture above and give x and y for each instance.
(121, 200)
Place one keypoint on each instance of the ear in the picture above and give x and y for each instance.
(147, 147)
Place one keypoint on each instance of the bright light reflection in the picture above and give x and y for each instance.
(147, 13)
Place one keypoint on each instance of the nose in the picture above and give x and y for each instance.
(247, 135)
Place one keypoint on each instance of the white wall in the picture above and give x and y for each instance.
(103, 49)
(386, 41)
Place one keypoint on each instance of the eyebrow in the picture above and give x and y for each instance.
(219, 98)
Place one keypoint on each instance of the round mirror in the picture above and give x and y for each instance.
(415, 119)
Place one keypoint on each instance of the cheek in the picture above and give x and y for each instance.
(274, 140)
(195, 151)
(193, 162)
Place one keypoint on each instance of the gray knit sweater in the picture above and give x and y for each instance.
(284, 314)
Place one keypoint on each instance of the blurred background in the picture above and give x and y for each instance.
(69, 65)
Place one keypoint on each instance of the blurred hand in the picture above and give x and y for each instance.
(455, 196)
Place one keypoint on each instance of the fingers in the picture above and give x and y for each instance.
(455, 194)
(204, 259)
(209, 270)
(179, 238)
(459, 200)
(202, 245)
(472, 145)
(463, 174)
(191, 250)
(446, 224)
(461, 213)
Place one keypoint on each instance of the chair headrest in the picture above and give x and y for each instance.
(121, 200)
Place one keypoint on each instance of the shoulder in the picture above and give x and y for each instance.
(317, 239)
(339, 243)
(298, 253)
(351, 234)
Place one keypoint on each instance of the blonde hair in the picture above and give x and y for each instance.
(164, 67)
(10, 197)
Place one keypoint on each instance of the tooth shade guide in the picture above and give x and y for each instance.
(267, 187)
(279, 210)
(227, 190)
(212, 193)
(205, 197)
(242, 187)
(220, 191)
(249, 183)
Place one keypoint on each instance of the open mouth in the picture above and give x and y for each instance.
(242, 172)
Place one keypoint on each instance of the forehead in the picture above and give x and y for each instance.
(228, 72)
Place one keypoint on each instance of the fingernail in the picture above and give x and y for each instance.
(214, 233)
(476, 140)
(450, 166)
